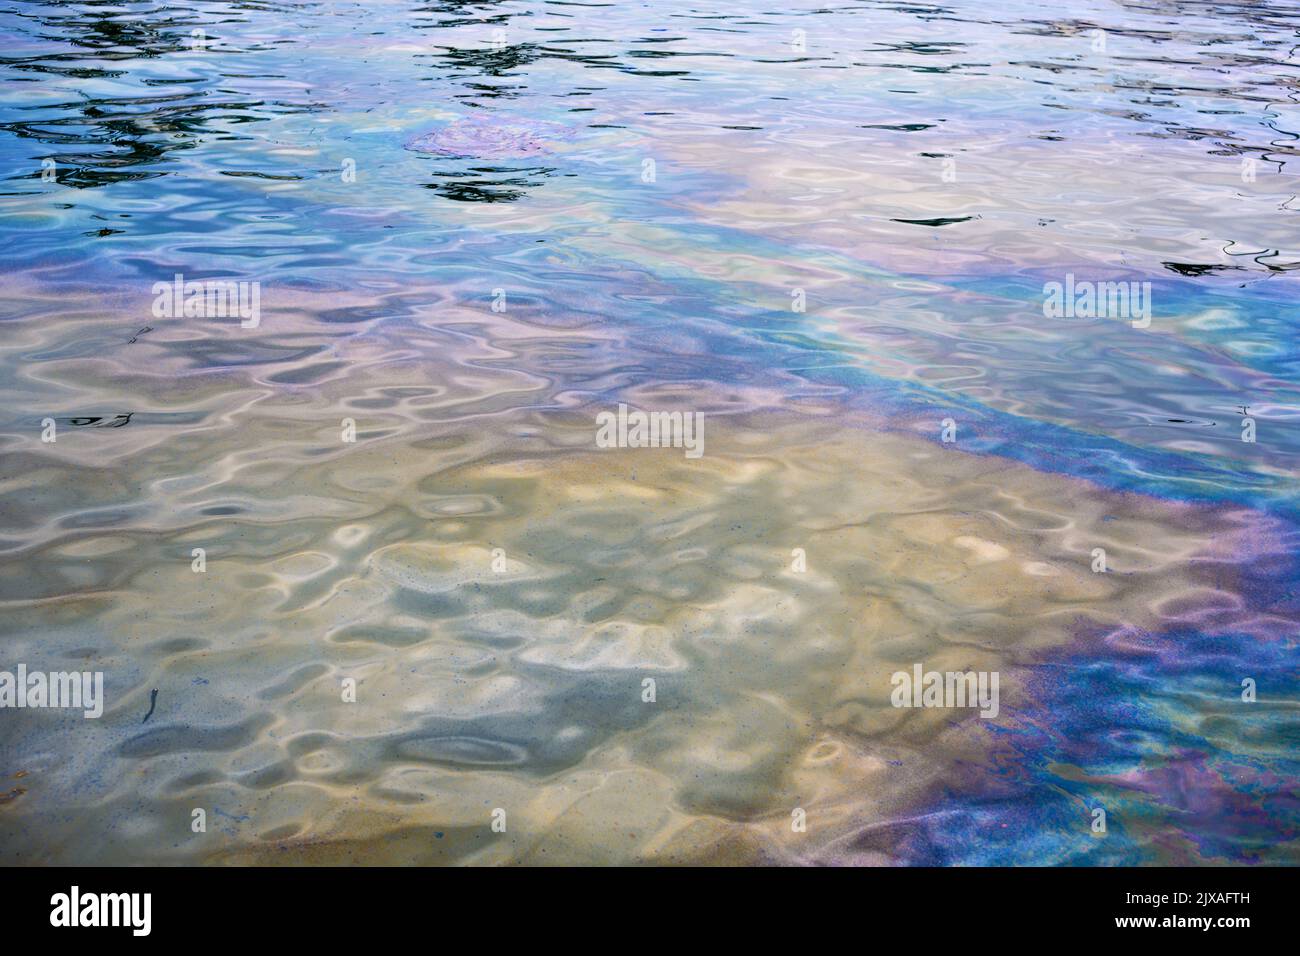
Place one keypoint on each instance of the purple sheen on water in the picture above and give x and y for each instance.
(483, 138)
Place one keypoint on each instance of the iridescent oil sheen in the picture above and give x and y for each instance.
(477, 226)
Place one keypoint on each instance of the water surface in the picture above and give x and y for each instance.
(474, 227)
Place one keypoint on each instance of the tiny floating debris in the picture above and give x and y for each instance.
(899, 127)
(99, 421)
(1197, 268)
(491, 138)
(934, 223)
